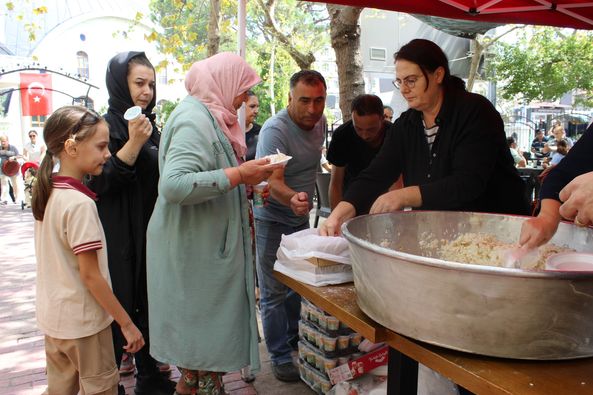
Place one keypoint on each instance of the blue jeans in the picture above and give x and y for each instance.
(279, 305)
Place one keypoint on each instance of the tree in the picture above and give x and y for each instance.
(345, 39)
(479, 46)
(545, 63)
(303, 56)
(275, 69)
(213, 28)
(282, 38)
(30, 27)
(191, 30)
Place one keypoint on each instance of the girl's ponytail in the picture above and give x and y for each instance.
(43, 187)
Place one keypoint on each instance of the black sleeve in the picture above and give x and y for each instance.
(579, 160)
(116, 174)
(383, 171)
(338, 147)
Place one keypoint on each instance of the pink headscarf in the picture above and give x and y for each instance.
(216, 81)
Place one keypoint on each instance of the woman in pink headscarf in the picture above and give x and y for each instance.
(200, 275)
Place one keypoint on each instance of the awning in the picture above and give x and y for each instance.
(576, 14)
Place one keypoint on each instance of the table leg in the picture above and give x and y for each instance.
(402, 374)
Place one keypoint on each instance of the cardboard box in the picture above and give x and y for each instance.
(322, 262)
(358, 367)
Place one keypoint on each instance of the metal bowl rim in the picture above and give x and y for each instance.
(443, 264)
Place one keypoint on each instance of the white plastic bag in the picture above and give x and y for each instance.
(307, 244)
(296, 248)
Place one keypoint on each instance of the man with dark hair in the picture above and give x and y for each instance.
(388, 113)
(538, 144)
(518, 158)
(355, 143)
(298, 131)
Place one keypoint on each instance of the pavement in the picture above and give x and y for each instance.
(22, 356)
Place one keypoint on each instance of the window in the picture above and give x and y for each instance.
(84, 101)
(37, 121)
(378, 53)
(83, 64)
(162, 76)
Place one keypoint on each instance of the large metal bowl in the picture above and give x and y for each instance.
(485, 310)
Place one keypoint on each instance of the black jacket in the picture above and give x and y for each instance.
(127, 194)
(469, 168)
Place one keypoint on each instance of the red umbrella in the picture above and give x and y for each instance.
(577, 14)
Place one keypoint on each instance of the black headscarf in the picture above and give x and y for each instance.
(120, 100)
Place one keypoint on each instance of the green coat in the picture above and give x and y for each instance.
(199, 262)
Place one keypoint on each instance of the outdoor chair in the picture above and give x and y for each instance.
(322, 190)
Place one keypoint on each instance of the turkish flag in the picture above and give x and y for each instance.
(36, 94)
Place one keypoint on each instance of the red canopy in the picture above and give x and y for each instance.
(563, 13)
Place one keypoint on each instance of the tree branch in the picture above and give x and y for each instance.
(303, 60)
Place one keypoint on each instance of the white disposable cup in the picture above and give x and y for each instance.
(258, 199)
(132, 113)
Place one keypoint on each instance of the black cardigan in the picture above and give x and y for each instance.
(470, 167)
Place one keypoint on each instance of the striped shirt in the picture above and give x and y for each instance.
(431, 134)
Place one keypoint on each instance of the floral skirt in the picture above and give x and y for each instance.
(202, 382)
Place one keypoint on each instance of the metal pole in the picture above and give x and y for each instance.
(241, 49)
(242, 23)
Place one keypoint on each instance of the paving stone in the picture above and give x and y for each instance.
(22, 353)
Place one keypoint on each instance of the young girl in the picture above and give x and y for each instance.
(75, 304)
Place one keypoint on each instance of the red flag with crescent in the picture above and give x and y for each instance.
(36, 94)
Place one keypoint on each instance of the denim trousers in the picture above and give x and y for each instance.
(279, 305)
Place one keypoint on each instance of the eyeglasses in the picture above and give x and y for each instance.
(409, 81)
(32, 135)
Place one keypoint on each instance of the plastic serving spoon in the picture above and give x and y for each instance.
(513, 256)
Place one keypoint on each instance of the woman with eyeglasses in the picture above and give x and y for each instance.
(127, 191)
(450, 147)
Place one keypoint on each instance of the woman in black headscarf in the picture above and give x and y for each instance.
(127, 191)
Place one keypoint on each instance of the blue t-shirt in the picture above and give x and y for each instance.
(556, 158)
(281, 133)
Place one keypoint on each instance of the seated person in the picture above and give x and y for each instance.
(538, 143)
(561, 151)
(559, 134)
(518, 158)
(355, 143)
